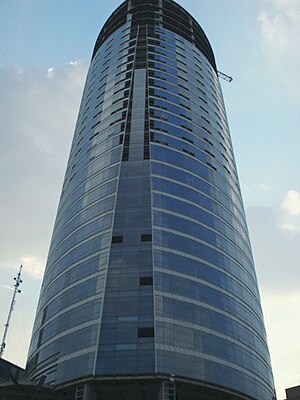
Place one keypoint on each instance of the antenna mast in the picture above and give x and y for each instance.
(12, 304)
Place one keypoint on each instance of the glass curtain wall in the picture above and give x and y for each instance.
(150, 270)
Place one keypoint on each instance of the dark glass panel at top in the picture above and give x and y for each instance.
(150, 12)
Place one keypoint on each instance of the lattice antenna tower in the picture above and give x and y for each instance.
(17, 284)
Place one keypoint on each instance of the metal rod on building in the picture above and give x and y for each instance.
(225, 76)
(12, 304)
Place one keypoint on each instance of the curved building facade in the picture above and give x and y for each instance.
(150, 276)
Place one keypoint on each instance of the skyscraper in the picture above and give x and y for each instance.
(150, 288)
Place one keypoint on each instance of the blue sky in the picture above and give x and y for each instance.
(45, 51)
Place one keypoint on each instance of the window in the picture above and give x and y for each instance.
(188, 152)
(146, 238)
(187, 140)
(146, 281)
(145, 332)
(117, 239)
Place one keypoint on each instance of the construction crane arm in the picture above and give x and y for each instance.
(224, 76)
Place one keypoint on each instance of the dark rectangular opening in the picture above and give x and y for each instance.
(146, 238)
(146, 281)
(145, 332)
(117, 239)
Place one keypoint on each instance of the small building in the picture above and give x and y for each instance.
(8, 369)
(293, 393)
(13, 387)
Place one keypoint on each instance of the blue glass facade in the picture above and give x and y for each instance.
(150, 270)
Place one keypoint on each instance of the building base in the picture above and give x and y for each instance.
(145, 388)
(28, 391)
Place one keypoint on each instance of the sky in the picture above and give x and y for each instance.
(46, 46)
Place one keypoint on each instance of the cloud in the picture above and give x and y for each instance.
(291, 207)
(289, 227)
(280, 32)
(291, 202)
(38, 109)
(50, 72)
(276, 254)
(7, 287)
(263, 187)
(273, 30)
(284, 330)
(33, 266)
(281, 25)
(276, 250)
